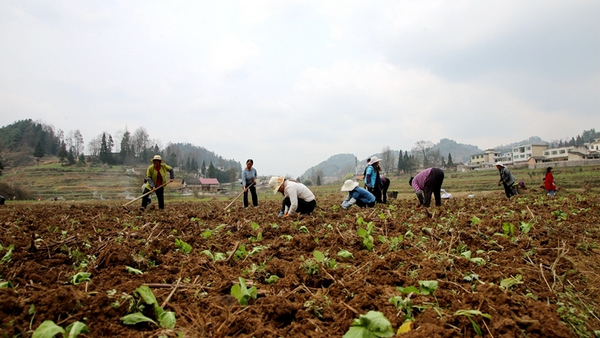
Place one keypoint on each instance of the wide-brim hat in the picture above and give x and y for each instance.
(349, 185)
(275, 182)
(499, 164)
(374, 160)
(157, 158)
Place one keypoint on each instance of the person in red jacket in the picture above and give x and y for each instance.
(549, 182)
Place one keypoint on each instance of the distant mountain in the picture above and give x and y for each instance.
(508, 147)
(336, 166)
(460, 152)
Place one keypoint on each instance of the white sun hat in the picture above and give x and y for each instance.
(349, 185)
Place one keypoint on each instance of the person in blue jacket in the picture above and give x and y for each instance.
(357, 195)
(373, 178)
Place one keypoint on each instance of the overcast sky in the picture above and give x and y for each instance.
(290, 83)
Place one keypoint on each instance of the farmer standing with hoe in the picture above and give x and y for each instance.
(155, 176)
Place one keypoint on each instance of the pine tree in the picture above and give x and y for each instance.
(318, 180)
(62, 153)
(400, 164)
(38, 151)
(450, 163)
(212, 171)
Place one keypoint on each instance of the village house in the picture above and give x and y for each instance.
(209, 184)
(532, 154)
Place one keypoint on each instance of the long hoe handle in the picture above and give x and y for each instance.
(149, 192)
(238, 196)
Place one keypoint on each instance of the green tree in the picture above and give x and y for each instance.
(106, 145)
(212, 171)
(318, 180)
(81, 159)
(38, 152)
(71, 157)
(1, 167)
(62, 153)
(450, 163)
(203, 169)
(126, 155)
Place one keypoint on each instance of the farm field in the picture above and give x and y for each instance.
(526, 267)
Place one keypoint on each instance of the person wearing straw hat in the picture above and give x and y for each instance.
(427, 182)
(298, 199)
(357, 195)
(373, 178)
(156, 176)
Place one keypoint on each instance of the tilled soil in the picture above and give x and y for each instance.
(536, 278)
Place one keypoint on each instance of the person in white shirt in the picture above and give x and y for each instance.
(298, 199)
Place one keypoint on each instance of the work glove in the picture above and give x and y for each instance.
(280, 214)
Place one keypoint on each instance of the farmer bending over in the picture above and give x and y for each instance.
(298, 199)
(156, 177)
(426, 182)
(507, 179)
(357, 195)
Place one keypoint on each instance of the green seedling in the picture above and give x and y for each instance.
(258, 238)
(80, 277)
(561, 216)
(324, 259)
(470, 314)
(508, 283)
(207, 234)
(286, 237)
(218, 256)
(476, 260)
(373, 324)
(242, 293)
(345, 254)
(366, 234)
(6, 285)
(8, 255)
(49, 329)
(257, 249)
(426, 287)
(255, 226)
(310, 266)
(166, 319)
(133, 270)
(525, 227)
(272, 279)
(403, 304)
(183, 246)
(475, 220)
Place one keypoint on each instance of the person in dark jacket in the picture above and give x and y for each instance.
(156, 177)
(249, 183)
(357, 195)
(427, 182)
(1, 200)
(506, 179)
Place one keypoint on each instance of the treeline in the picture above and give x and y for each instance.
(27, 138)
(586, 137)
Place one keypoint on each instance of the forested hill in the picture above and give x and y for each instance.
(460, 152)
(22, 142)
